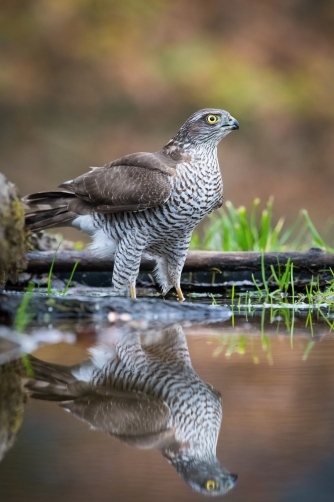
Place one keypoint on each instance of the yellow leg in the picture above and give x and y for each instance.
(133, 291)
(180, 294)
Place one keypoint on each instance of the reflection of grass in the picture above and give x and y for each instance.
(23, 317)
(308, 349)
(240, 344)
(285, 320)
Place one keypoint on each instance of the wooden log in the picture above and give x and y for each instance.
(313, 260)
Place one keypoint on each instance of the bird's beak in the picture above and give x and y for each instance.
(234, 478)
(232, 124)
(232, 481)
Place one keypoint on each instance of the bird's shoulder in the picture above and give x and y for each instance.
(156, 161)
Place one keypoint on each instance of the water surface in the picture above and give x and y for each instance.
(276, 381)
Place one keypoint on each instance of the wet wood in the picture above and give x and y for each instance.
(313, 260)
(154, 310)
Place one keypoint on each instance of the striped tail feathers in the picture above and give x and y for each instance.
(47, 209)
(48, 219)
(44, 391)
(50, 372)
(54, 382)
(41, 201)
(53, 209)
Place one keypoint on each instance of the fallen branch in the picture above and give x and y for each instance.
(313, 260)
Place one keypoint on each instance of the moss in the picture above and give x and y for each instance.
(12, 232)
(12, 399)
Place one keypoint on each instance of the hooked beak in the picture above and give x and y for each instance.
(234, 479)
(233, 124)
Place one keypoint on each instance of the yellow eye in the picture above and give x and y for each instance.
(211, 484)
(212, 119)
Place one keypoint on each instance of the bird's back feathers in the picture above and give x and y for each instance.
(132, 183)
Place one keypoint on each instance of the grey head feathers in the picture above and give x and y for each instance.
(207, 477)
(205, 127)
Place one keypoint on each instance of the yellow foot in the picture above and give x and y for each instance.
(180, 294)
(133, 292)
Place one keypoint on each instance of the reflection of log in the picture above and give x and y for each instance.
(313, 260)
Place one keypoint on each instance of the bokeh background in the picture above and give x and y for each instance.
(85, 81)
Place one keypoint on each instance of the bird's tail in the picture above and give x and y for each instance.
(48, 209)
(52, 382)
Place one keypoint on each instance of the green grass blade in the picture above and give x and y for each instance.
(253, 226)
(51, 269)
(264, 230)
(70, 279)
(275, 233)
(263, 273)
(315, 234)
(23, 316)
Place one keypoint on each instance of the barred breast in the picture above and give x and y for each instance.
(196, 410)
(196, 192)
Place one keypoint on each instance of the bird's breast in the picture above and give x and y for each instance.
(199, 191)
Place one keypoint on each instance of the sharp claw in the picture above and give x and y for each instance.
(180, 295)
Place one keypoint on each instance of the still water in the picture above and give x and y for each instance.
(259, 387)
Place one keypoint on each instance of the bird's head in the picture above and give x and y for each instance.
(207, 126)
(208, 477)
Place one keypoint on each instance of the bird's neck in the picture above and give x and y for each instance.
(183, 464)
(182, 151)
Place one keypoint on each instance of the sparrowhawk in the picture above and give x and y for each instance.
(144, 202)
(144, 391)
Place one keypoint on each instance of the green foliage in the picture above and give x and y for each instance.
(23, 315)
(51, 269)
(70, 279)
(64, 291)
(237, 229)
(317, 239)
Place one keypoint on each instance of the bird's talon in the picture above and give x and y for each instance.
(181, 298)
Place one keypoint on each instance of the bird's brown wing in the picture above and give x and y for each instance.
(121, 413)
(132, 183)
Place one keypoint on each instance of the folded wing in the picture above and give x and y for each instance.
(133, 183)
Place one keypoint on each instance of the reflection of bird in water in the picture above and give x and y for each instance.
(148, 395)
(12, 399)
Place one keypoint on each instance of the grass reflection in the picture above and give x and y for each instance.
(263, 324)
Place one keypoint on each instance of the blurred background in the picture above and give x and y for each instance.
(83, 82)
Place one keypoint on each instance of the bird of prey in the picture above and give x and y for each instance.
(144, 202)
(147, 394)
